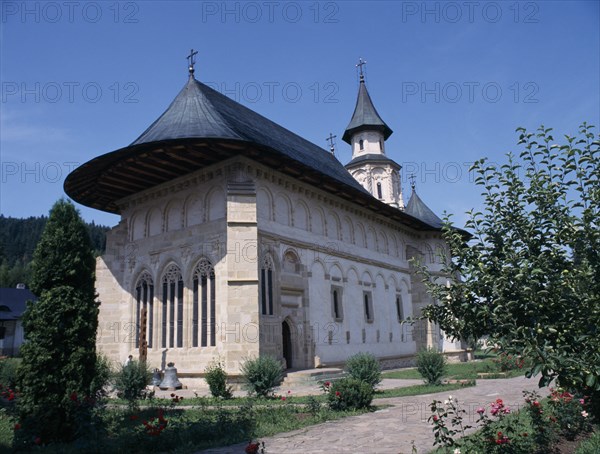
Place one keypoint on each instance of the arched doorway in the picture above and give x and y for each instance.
(286, 335)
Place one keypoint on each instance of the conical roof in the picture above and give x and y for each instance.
(417, 208)
(365, 117)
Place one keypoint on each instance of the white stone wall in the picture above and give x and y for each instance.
(234, 213)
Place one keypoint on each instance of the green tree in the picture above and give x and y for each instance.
(56, 377)
(530, 275)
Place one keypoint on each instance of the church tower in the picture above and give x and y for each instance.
(366, 134)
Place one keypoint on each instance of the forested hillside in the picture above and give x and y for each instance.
(18, 238)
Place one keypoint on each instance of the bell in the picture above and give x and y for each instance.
(170, 381)
(156, 378)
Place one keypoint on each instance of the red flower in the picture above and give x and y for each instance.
(11, 396)
(17, 426)
(73, 396)
(283, 398)
(133, 417)
(327, 384)
(252, 448)
(435, 418)
(338, 394)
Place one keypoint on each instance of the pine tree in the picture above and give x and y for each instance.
(56, 377)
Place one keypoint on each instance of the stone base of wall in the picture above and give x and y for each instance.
(399, 362)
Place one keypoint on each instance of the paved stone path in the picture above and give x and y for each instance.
(390, 430)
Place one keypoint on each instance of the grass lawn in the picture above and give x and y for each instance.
(459, 371)
(417, 390)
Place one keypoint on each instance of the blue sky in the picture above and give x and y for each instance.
(452, 79)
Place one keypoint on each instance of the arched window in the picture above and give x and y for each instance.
(399, 311)
(336, 304)
(368, 303)
(144, 296)
(361, 144)
(379, 191)
(172, 299)
(380, 145)
(266, 285)
(204, 305)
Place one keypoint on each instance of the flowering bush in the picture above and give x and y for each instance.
(255, 448)
(443, 434)
(497, 434)
(505, 362)
(544, 433)
(155, 429)
(349, 394)
(569, 412)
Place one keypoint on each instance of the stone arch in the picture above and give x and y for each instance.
(173, 216)
(318, 268)
(283, 213)
(348, 230)
(215, 204)
(401, 249)
(382, 242)
(335, 270)
(380, 281)
(291, 261)
(193, 211)
(154, 222)
(393, 283)
(333, 225)
(137, 226)
(352, 275)
(360, 235)
(441, 253)
(393, 245)
(264, 202)
(143, 306)
(367, 278)
(301, 217)
(429, 255)
(371, 239)
(317, 221)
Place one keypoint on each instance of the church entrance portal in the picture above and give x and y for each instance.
(286, 335)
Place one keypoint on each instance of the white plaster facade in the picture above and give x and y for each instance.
(242, 217)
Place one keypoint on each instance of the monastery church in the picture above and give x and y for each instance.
(239, 238)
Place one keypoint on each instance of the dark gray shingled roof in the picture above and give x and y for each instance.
(200, 111)
(365, 116)
(202, 127)
(417, 208)
(13, 302)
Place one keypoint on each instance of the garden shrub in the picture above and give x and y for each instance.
(505, 362)
(131, 381)
(364, 367)
(262, 375)
(431, 364)
(103, 377)
(216, 377)
(349, 394)
(8, 371)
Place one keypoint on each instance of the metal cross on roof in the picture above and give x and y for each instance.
(191, 61)
(412, 179)
(360, 65)
(331, 143)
